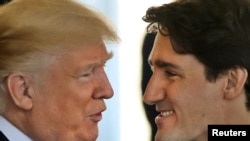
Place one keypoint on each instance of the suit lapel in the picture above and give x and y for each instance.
(2, 137)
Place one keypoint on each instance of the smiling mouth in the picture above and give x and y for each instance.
(166, 113)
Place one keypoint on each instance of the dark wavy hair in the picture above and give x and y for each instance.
(216, 32)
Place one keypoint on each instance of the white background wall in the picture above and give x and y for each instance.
(125, 119)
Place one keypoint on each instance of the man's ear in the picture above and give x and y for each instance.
(19, 90)
(236, 79)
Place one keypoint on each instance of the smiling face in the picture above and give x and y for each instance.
(69, 96)
(179, 89)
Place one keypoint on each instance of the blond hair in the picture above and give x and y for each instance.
(29, 28)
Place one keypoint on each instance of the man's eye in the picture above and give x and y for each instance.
(89, 72)
(86, 75)
(170, 74)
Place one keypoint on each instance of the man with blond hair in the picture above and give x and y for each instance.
(53, 83)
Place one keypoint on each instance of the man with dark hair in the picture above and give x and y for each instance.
(201, 65)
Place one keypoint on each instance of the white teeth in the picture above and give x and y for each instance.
(166, 113)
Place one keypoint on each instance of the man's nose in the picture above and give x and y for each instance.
(154, 91)
(104, 88)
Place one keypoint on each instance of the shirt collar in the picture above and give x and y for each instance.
(11, 132)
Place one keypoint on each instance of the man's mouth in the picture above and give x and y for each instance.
(166, 113)
(166, 117)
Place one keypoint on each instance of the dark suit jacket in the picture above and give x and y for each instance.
(2, 137)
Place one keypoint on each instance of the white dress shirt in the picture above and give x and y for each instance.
(11, 132)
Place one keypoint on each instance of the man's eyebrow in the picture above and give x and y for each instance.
(110, 55)
(90, 66)
(163, 64)
(104, 60)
